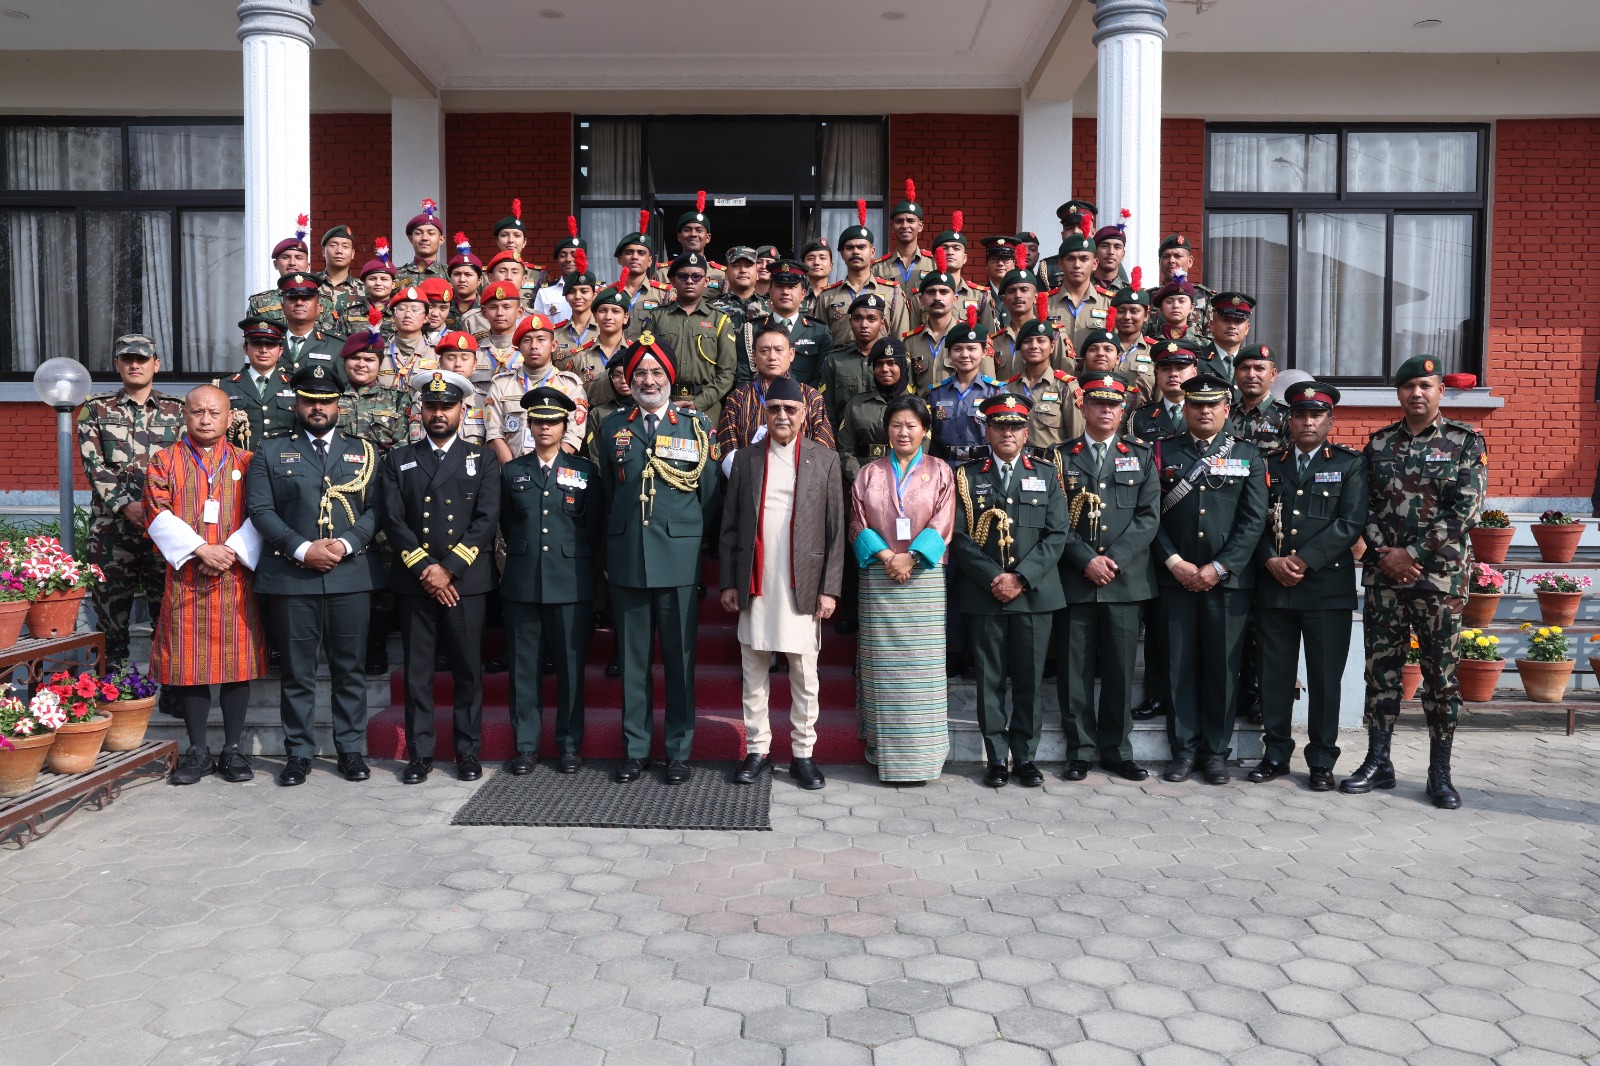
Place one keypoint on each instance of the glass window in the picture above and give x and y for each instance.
(852, 160)
(1339, 298)
(1274, 162)
(63, 158)
(39, 275)
(1248, 252)
(128, 276)
(833, 221)
(1432, 288)
(186, 157)
(1412, 161)
(212, 250)
(604, 228)
(610, 153)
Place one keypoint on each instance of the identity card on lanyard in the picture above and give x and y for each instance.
(902, 525)
(211, 510)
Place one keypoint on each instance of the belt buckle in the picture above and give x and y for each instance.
(877, 451)
(681, 392)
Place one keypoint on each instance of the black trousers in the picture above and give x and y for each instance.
(1205, 635)
(1326, 635)
(304, 627)
(422, 622)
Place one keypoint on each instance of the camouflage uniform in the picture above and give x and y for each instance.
(414, 273)
(117, 439)
(1425, 493)
(376, 412)
(1199, 327)
(336, 315)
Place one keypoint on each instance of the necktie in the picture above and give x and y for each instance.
(322, 448)
(650, 423)
(261, 387)
(1005, 476)
(1305, 461)
(438, 453)
(1100, 457)
(1172, 412)
(294, 348)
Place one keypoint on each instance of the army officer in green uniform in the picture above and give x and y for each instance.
(1113, 499)
(1010, 528)
(1316, 506)
(552, 519)
(259, 395)
(313, 496)
(1213, 509)
(658, 468)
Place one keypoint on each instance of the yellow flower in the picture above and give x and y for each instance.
(1555, 629)
(1544, 631)
(1494, 640)
(1527, 626)
(1482, 642)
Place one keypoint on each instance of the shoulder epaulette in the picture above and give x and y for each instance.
(237, 377)
(1338, 447)
(999, 333)
(835, 285)
(1390, 428)
(913, 333)
(1137, 442)
(987, 380)
(715, 265)
(1465, 427)
(1062, 375)
(1013, 380)
(1052, 292)
(883, 259)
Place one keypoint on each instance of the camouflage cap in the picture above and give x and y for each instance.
(134, 344)
(742, 251)
(1418, 366)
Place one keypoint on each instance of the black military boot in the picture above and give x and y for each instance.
(1444, 794)
(1375, 771)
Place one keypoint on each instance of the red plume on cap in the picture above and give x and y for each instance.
(911, 190)
(463, 246)
(1136, 279)
(644, 221)
(302, 224)
(1111, 320)
(956, 219)
(581, 259)
(1022, 257)
(972, 316)
(431, 209)
(941, 259)
(1041, 306)
(623, 280)
(380, 248)
(516, 210)
(1122, 224)
(1086, 225)
(375, 318)
(700, 202)
(572, 226)
(861, 212)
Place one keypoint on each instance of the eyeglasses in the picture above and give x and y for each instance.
(690, 278)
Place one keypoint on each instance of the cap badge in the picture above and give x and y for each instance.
(437, 384)
(1427, 365)
(647, 338)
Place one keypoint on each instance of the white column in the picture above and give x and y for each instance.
(277, 42)
(1045, 167)
(416, 158)
(1129, 35)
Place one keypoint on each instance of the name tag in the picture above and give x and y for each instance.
(407, 466)
(1439, 457)
(1328, 476)
(572, 479)
(622, 437)
(289, 457)
(211, 512)
(1126, 463)
(286, 392)
(678, 448)
(1033, 484)
(902, 529)
(321, 355)
(522, 479)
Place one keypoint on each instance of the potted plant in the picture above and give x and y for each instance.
(1557, 535)
(1548, 666)
(1559, 596)
(25, 740)
(1479, 669)
(13, 598)
(128, 697)
(83, 731)
(1411, 672)
(1483, 598)
(56, 583)
(1491, 536)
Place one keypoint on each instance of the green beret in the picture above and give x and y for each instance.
(1131, 295)
(338, 231)
(815, 246)
(1076, 242)
(1036, 327)
(1256, 351)
(1418, 366)
(950, 236)
(1019, 277)
(633, 238)
(1176, 240)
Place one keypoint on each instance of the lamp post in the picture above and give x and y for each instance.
(63, 384)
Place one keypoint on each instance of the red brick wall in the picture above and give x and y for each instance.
(964, 163)
(1182, 185)
(29, 443)
(491, 159)
(350, 180)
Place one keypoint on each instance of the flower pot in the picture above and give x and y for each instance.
(1557, 544)
(1559, 608)
(1489, 543)
(12, 615)
(78, 744)
(129, 719)
(1545, 682)
(1410, 680)
(1480, 609)
(55, 615)
(1478, 677)
(20, 764)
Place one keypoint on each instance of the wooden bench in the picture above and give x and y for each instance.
(28, 817)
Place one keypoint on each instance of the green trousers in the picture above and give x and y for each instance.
(1391, 616)
(335, 626)
(641, 616)
(1009, 646)
(1205, 635)
(1326, 635)
(1103, 636)
(564, 629)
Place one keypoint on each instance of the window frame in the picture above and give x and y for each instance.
(1476, 205)
(174, 202)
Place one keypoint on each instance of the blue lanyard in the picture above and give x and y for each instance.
(905, 272)
(901, 479)
(209, 477)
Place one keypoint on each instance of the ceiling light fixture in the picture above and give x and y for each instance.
(13, 13)
(1427, 24)
(893, 16)
(552, 13)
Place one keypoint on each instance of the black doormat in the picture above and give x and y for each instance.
(708, 800)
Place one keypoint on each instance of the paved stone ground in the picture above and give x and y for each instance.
(1099, 923)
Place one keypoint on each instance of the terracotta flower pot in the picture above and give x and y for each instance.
(20, 764)
(129, 720)
(1489, 543)
(1410, 680)
(1480, 609)
(1478, 677)
(1557, 544)
(78, 744)
(1545, 682)
(55, 615)
(12, 615)
(1559, 608)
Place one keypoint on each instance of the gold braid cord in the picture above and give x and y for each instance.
(993, 520)
(1086, 501)
(1277, 526)
(239, 430)
(355, 486)
(682, 480)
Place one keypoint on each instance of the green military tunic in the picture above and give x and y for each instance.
(1075, 321)
(1214, 508)
(812, 344)
(1153, 421)
(659, 487)
(1009, 528)
(1314, 515)
(1113, 508)
(845, 375)
(1056, 416)
(833, 309)
(1424, 494)
(860, 433)
(552, 521)
(703, 346)
(415, 272)
(258, 414)
(316, 348)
